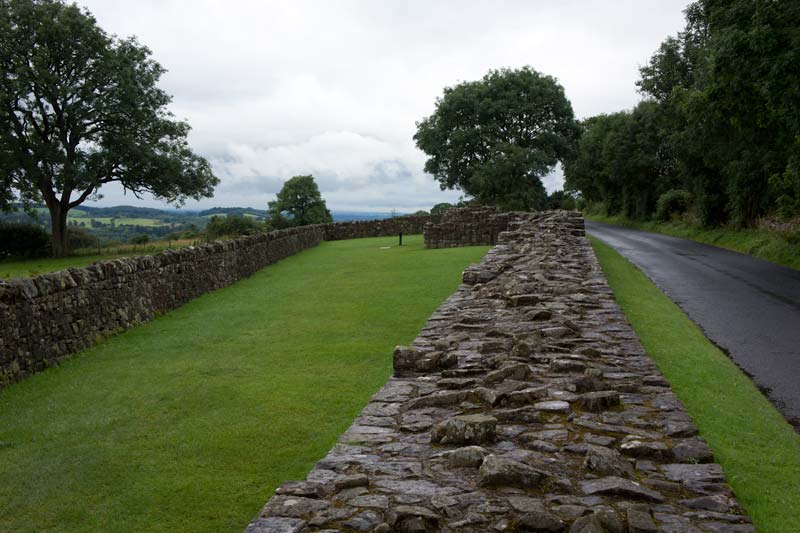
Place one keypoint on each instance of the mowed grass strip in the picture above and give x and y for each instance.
(758, 449)
(189, 422)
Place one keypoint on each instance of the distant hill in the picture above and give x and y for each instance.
(121, 223)
(347, 216)
(235, 211)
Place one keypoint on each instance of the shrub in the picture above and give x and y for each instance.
(231, 226)
(23, 240)
(673, 203)
(80, 238)
(439, 209)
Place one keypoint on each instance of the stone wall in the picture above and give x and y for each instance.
(409, 225)
(47, 318)
(525, 404)
(467, 226)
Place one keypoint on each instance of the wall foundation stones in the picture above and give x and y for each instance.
(525, 404)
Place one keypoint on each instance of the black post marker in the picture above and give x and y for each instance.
(401, 238)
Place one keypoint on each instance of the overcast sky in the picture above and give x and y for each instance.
(276, 89)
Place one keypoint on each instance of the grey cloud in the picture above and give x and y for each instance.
(275, 89)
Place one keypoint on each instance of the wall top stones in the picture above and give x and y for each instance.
(526, 403)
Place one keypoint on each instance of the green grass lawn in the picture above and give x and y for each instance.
(758, 449)
(779, 247)
(33, 267)
(188, 423)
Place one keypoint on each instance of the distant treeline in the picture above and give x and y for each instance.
(719, 131)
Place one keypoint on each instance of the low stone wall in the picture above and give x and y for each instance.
(46, 318)
(409, 225)
(467, 226)
(525, 404)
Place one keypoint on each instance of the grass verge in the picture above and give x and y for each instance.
(781, 247)
(758, 449)
(189, 422)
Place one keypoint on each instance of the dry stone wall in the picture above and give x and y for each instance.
(525, 404)
(45, 319)
(467, 226)
(409, 225)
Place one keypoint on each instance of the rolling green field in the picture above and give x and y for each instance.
(189, 422)
(122, 221)
(779, 247)
(758, 449)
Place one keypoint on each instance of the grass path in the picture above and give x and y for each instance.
(758, 449)
(781, 247)
(190, 421)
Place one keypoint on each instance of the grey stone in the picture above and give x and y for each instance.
(587, 524)
(370, 501)
(693, 473)
(346, 482)
(293, 506)
(275, 524)
(640, 521)
(620, 487)
(717, 502)
(498, 472)
(598, 401)
(692, 451)
(525, 504)
(607, 462)
(301, 488)
(469, 456)
(540, 521)
(527, 396)
(364, 521)
(647, 449)
(465, 429)
(515, 372)
(553, 406)
(405, 358)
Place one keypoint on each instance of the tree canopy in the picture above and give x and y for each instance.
(299, 203)
(720, 120)
(495, 138)
(79, 109)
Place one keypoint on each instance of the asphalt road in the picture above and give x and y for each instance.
(747, 306)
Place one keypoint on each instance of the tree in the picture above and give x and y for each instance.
(730, 79)
(439, 209)
(231, 226)
(79, 109)
(301, 200)
(497, 137)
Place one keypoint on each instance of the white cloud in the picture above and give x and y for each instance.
(275, 89)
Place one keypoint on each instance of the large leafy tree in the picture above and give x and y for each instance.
(79, 109)
(624, 161)
(299, 203)
(495, 138)
(731, 80)
(721, 119)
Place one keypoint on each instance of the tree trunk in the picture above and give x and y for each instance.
(58, 219)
